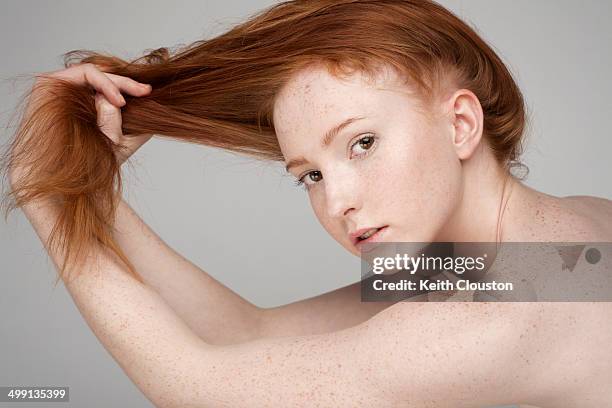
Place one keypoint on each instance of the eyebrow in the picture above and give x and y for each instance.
(325, 142)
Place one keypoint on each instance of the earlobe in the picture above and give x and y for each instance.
(467, 121)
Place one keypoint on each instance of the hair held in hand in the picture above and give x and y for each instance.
(220, 92)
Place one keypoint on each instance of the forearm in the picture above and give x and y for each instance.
(332, 311)
(142, 333)
(213, 311)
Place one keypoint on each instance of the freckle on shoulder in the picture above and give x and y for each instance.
(590, 217)
(564, 219)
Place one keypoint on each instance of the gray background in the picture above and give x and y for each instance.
(239, 219)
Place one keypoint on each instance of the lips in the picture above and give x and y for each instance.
(355, 235)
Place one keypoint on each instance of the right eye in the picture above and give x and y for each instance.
(309, 177)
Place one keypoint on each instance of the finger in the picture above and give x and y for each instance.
(90, 74)
(110, 85)
(109, 118)
(103, 84)
(129, 85)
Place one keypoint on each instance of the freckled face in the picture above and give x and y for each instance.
(393, 167)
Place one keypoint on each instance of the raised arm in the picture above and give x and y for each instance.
(410, 354)
(205, 303)
(212, 310)
(200, 300)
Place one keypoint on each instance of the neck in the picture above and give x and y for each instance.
(490, 200)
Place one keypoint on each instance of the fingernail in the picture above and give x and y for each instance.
(122, 99)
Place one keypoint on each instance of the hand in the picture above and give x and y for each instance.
(109, 122)
(108, 101)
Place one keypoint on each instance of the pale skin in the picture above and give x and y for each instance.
(191, 341)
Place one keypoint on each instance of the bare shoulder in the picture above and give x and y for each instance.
(546, 218)
(592, 215)
(535, 337)
(589, 204)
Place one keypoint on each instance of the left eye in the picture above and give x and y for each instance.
(365, 143)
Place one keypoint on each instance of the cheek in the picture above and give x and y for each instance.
(422, 186)
(318, 207)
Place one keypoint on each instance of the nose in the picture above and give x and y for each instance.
(341, 195)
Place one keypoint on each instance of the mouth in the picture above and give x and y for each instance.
(368, 235)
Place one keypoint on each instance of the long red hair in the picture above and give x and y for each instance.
(220, 92)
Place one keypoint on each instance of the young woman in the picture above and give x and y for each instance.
(395, 115)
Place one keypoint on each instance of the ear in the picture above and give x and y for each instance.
(467, 119)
